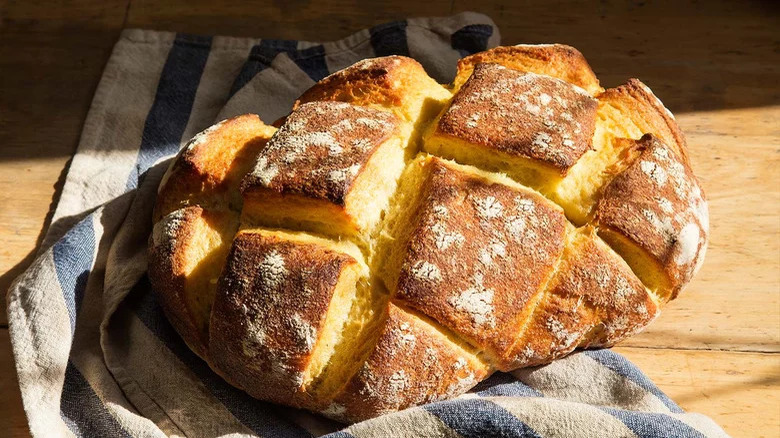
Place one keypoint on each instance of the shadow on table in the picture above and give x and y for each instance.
(688, 397)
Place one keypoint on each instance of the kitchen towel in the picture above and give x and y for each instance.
(96, 357)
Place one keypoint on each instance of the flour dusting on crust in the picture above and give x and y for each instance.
(658, 204)
(165, 230)
(273, 271)
(477, 303)
(493, 247)
(322, 146)
(522, 114)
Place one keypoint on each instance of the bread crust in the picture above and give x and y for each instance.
(639, 105)
(557, 60)
(390, 82)
(269, 311)
(169, 243)
(478, 252)
(324, 146)
(522, 114)
(412, 363)
(594, 300)
(209, 168)
(471, 271)
(658, 205)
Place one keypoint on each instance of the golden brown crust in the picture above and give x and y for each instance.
(165, 273)
(209, 168)
(595, 272)
(384, 82)
(320, 150)
(412, 363)
(594, 300)
(557, 60)
(657, 204)
(271, 304)
(477, 254)
(522, 114)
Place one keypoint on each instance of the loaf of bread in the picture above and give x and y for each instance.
(396, 241)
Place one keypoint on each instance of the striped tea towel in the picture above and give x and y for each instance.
(96, 357)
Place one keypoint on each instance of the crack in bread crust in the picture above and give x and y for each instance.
(439, 272)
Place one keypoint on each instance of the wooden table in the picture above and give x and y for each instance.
(716, 65)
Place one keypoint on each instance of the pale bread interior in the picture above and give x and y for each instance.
(526, 171)
(387, 254)
(295, 212)
(643, 264)
(350, 341)
(203, 256)
(371, 191)
(578, 191)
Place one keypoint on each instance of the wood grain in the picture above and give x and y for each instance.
(737, 390)
(12, 418)
(51, 59)
(295, 19)
(714, 350)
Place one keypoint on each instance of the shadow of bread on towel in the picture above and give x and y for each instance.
(396, 241)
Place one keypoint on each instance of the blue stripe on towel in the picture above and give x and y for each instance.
(339, 434)
(504, 384)
(260, 58)
(253, 65)
(471, 39)
(170, 112)
(653, 425)
(479, 418)
(311, 61)
(278, 46)
(389, 39)
(620, 365)
(73, 257)
(386, 39)
(262, 418)
(83, 411)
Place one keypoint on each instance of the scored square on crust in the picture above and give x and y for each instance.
(330, 169)
(209, 168)
(557, 60)
(395, 83)
(655, 215)
(593, 296)
(624, 114)
(279, 310)
(472, 251)
(532, 127)
(411, 363)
